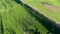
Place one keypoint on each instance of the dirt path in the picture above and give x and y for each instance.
(51, 7)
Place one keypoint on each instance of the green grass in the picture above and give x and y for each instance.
(13, 15)
(51, 14)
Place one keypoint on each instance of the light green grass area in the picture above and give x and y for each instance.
(15, 18)
(54, 15)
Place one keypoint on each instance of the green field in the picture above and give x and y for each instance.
(51, 13)
(14, 18)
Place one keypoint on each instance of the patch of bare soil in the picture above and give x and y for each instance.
(51, 7)
(26, 33)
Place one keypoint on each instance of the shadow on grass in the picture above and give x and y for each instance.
(1, 25)
(45, 21)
